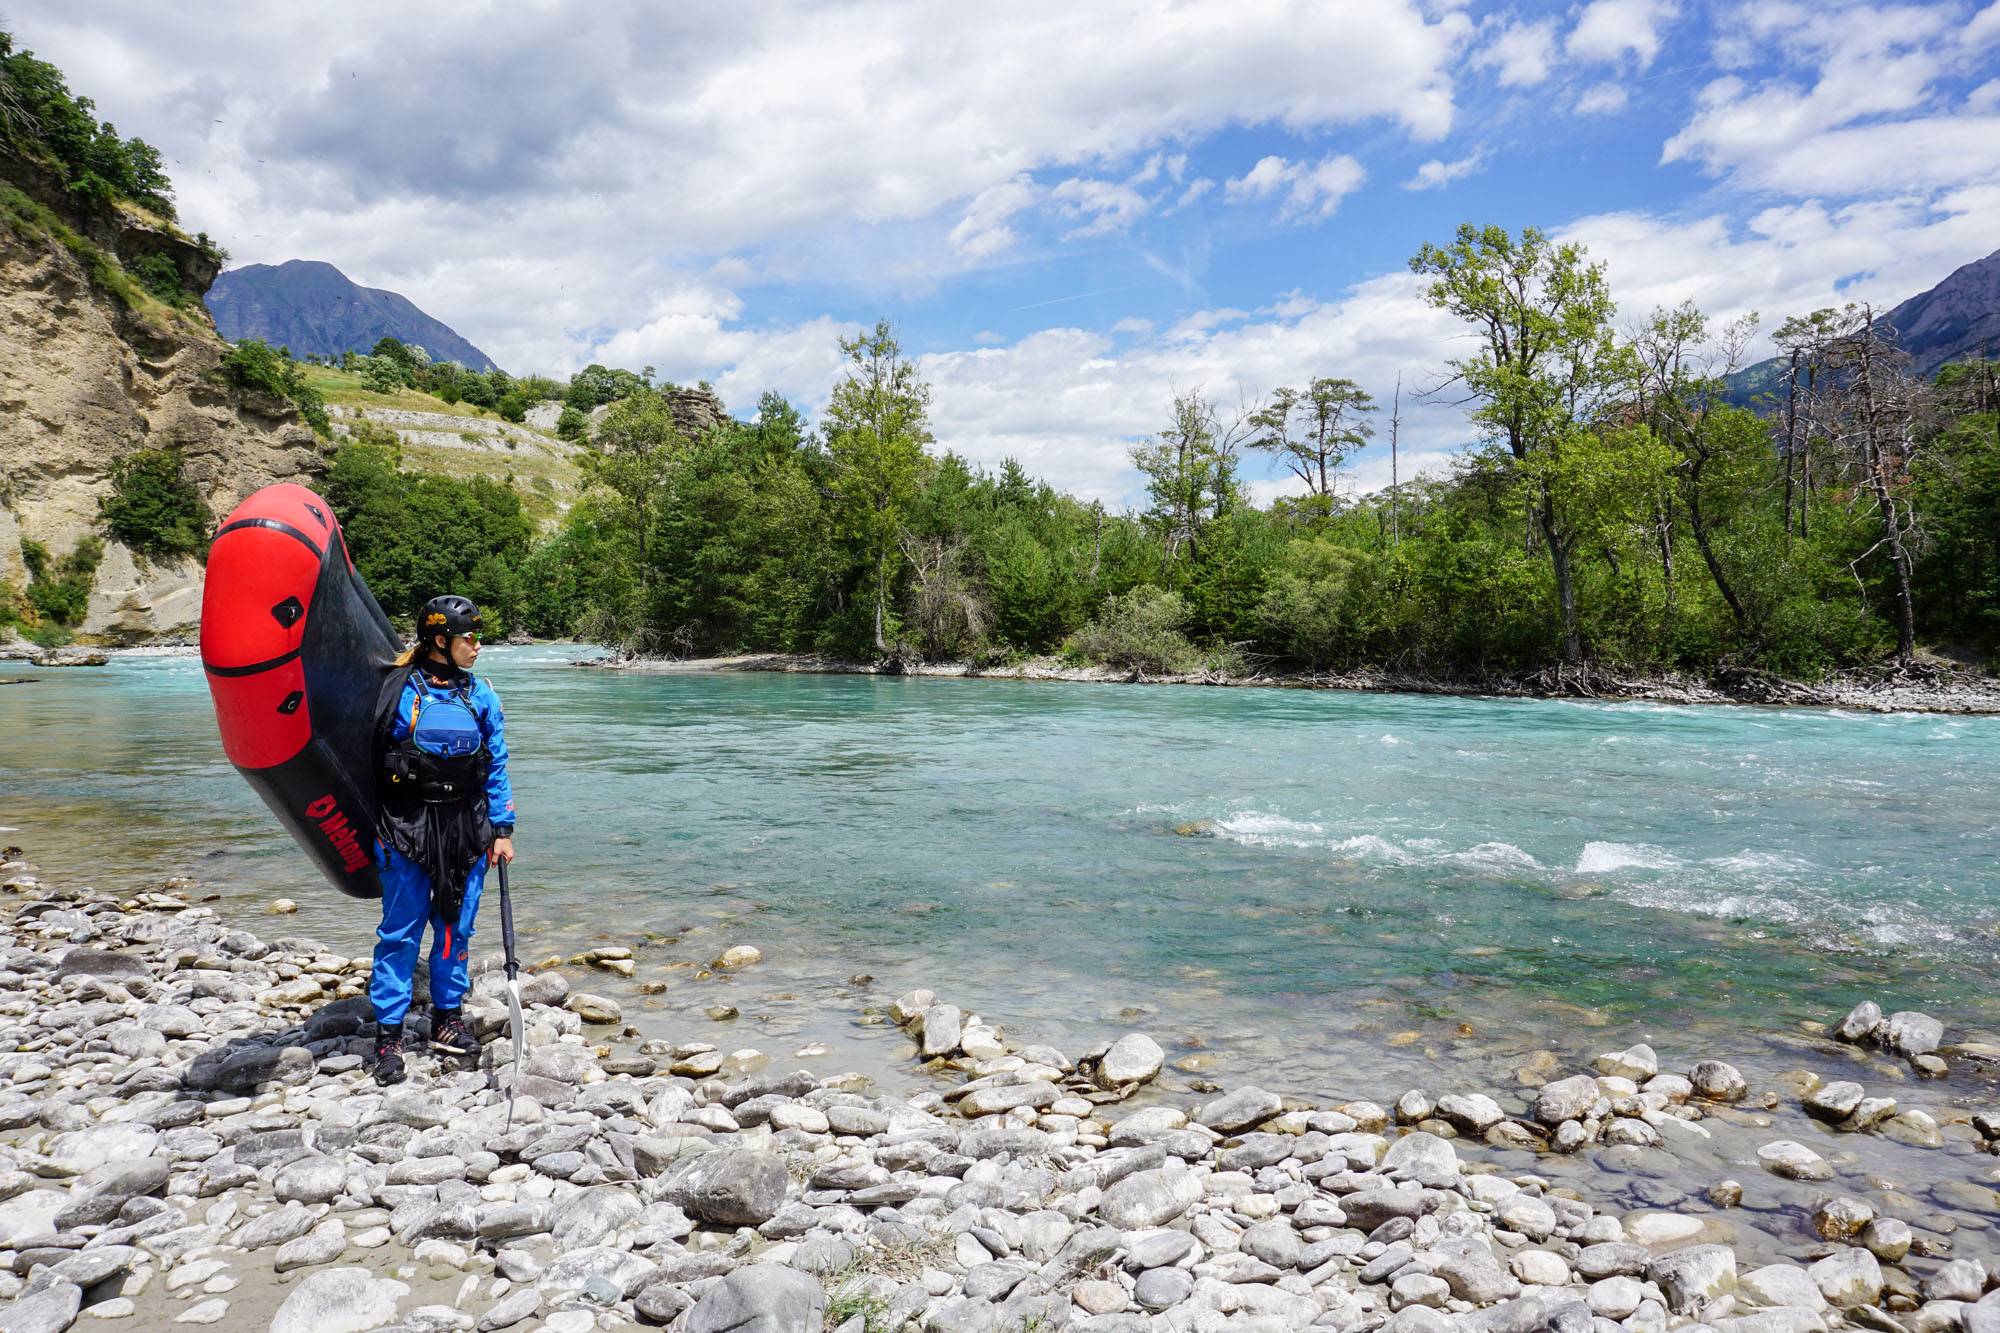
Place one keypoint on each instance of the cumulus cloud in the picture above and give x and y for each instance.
(1850, 109)
(1524, 53)
(1608, 30)
(1069, 403)
(1436, 174)
(1310, 190)
(539, 174)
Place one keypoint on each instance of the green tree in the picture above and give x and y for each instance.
(1190, 471)
(1681, 387)
(40, 117)
(1547, 364)
(1313, 432)
(876, 429)
(635, 443)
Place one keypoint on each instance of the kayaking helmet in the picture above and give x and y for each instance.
(450, 615)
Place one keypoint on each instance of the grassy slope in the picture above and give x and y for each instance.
(547, 483)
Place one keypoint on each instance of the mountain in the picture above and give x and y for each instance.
(316, 310)
(1960, 317)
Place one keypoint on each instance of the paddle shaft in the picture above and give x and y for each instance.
(507, 925)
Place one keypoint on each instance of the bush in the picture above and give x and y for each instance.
(1302, 612)
(514, 407)
(153, 507)
(573, 425)
(1140, 631)
(59, 590)
(383, 374)
(256, 365)
(161, 276)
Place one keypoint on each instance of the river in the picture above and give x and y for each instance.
(1347, 887)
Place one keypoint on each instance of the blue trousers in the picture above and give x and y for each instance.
(406, 909)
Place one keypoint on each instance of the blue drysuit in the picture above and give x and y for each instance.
(442, 725)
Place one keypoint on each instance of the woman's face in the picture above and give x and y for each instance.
(464, 650)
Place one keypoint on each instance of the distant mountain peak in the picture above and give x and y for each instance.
(313, 308)
(1958, 317)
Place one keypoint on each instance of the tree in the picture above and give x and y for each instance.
(1190, 470)
(1806, 341)
(876, 429)
(635, 443)
(1681, 383)
(1547, 364)
(1313, 432)
(1879, 405)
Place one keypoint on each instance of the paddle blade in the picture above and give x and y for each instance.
(515, 1024)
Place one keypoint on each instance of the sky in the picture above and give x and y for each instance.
(1068, 211)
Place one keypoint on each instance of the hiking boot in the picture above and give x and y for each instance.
(450, 1036)
(389, 1057)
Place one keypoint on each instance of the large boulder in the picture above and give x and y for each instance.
(1912, 1034)
(735, 1188)
(247, 1069)
(1147, 1199)
(99, 963)
(761, 1298)
(339, 1300)
(1848, 1278)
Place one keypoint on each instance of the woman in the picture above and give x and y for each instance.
(447, 814)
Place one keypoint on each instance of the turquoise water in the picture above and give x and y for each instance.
(1258, 870)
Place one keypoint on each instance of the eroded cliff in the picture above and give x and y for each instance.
(88, 376)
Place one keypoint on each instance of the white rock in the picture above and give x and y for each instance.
(1133, 1058)
(1637, 1063)
(1849, 1278)
(1780, 1284)
(339, 1300)
(1794, 1161)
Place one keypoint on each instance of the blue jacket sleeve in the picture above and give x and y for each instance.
(499, 791)
(400, 720)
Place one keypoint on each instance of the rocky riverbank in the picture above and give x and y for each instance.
(1922, 688)
(189, 1135)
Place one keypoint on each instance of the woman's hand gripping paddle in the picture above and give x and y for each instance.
(515, 1023)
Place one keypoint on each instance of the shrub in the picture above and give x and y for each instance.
(383, 374)
(1301, 613)
(1140, 631)
(256, 365)
(161, 276)
(514, 407)
(59, 590)
(153, 507)
(572, 424)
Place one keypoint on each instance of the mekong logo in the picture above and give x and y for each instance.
(338, 831)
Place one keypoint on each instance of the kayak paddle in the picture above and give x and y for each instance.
(515, 1023)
